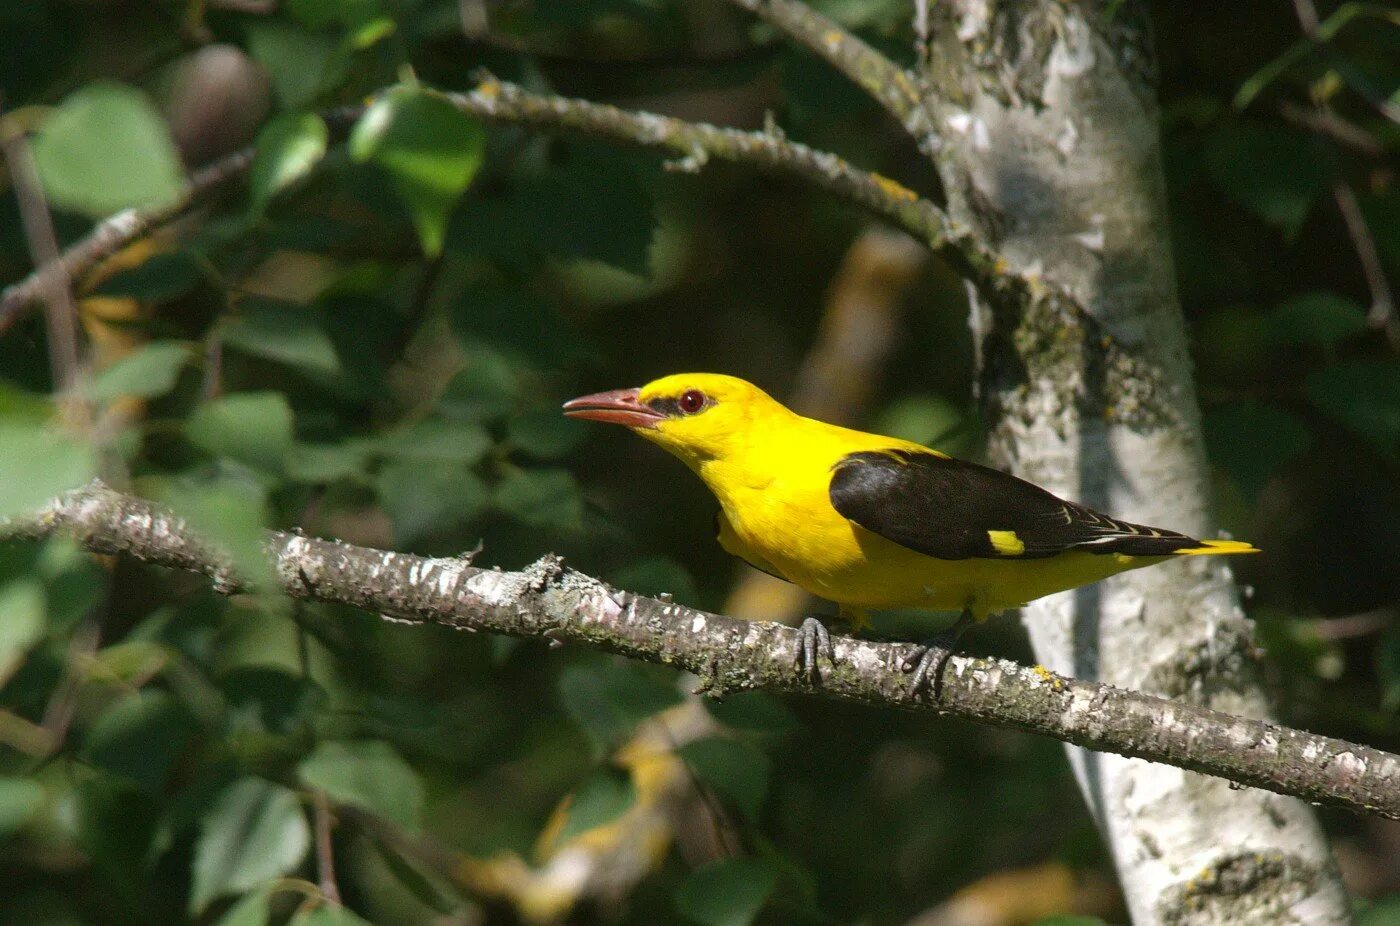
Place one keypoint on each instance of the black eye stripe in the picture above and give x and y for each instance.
(670, 406)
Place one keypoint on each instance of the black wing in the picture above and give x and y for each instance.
(952, 509)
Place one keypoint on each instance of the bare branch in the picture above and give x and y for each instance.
(60, 314)
(692, 143)
(114, 233)
(885, 82)
(549, 600)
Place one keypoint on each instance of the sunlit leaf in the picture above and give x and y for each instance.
(23, 620)
(288, 148)
(19, 799)
(106, 148)
(430, 149)
(38, 462)
(254, 832)
(328, 915)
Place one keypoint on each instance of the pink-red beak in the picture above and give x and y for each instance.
(620, 406)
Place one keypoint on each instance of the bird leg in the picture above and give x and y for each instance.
(813, 640)
(929, 661)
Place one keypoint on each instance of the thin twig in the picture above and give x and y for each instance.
(114, 233)
(501, 102)
(549, 601)
(888, 84)
(60, 312)
(325, 857)
(1382, 314)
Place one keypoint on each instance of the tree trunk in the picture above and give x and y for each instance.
(1050, 149)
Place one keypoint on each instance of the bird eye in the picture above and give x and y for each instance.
(691, 401)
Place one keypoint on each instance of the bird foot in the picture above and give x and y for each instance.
(929, 660)
(813, 641)
(927, 664)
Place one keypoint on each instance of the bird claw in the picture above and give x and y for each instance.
(928, 661)
(813, 640)
(927, 664)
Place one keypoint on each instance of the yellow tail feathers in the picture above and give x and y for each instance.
(1212, 547)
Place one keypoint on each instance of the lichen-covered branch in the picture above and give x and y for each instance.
(549, 600)
(114, 233)
(888, 84)
(692, 144)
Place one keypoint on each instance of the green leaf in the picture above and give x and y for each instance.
(149, 372)
(19, 799)
(159, 278)
(435, 439)
(38, 462)
(321, 14)
(590, 208)
(285, 334)
(254, 428)
(1274, 173)
(737, 771)
(368, 774)
(1388, 669)
(424, 497)
(657, 575)
(608, 699)
(753, 710)
(301, 64)
(430, 150)
(1365, 396)
(228, 511)
(541, 497)
(606, 795)
(726, 893)
(1252, 440)
(140, 737)
(1319, 318)
(1381, 913)
(107, 149)
(23, 620)
(545, 433)
(288, 148)
(319, 463)
(254, 832)
(327, 915)
(253, 909)
(270, 700)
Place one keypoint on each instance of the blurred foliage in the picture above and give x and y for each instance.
(369, 340)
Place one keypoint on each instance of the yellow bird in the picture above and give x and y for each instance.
(873, 522)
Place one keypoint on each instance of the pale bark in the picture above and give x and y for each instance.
(548, 600)
(1051, 151)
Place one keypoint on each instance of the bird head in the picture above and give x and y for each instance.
(696, 416)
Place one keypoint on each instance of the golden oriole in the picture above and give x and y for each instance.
(874, 522)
